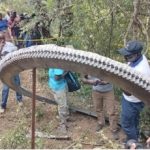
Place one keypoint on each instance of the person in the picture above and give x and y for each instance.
(31, 38)
(4, 28)
(3, 23)
(5, 48)
(133, 144)
(131, 105)
(14, 27)
(58, 85)
(7, 16)
(103, 95)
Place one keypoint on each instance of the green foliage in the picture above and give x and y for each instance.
(92, 24)
(15, 5)
(85, 92)
(42, 75)
(39, 143)
(145, 124)
(39, 113)
(15, 138)
(118, 92)
(145, 119)
(98, 26)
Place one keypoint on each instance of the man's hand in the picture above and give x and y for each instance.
(148, 142)
(90, 81)
(102, 82)
(127, 93)
(58, 77)
(95, 82)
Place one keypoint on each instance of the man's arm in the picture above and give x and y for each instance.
(58, 77)
(87, 80)
(148, 142)
(127, 93)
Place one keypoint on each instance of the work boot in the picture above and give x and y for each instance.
(133, 144)
(99, 127)
(62, 129)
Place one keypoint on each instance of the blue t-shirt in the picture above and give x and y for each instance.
(56, 85)
(3, 25)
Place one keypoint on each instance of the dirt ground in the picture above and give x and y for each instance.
(81, 127)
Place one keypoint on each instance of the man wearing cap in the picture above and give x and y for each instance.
(131, 105)
(59, 88)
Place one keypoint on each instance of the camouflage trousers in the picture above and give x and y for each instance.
(61, 99)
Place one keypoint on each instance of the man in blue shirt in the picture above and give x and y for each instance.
(4, 29)
(59, 88)
(3, 23)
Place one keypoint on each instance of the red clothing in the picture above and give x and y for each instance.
(12, 23)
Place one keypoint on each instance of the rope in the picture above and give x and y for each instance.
(43, 39)
(35, 40)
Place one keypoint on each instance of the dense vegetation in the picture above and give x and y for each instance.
(101, 26)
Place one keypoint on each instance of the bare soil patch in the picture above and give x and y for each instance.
(81, 127)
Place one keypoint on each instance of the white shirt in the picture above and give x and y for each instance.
(143, 68)
(8, 48)
(7, 17)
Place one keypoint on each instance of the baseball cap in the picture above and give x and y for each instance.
(58, 71)
(132, 47)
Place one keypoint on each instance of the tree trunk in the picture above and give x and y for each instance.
(66, 20)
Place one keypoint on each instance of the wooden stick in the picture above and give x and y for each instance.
(45, 135)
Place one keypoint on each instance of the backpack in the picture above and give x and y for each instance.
(72, 81)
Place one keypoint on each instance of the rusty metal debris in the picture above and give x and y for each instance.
(49, 55)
